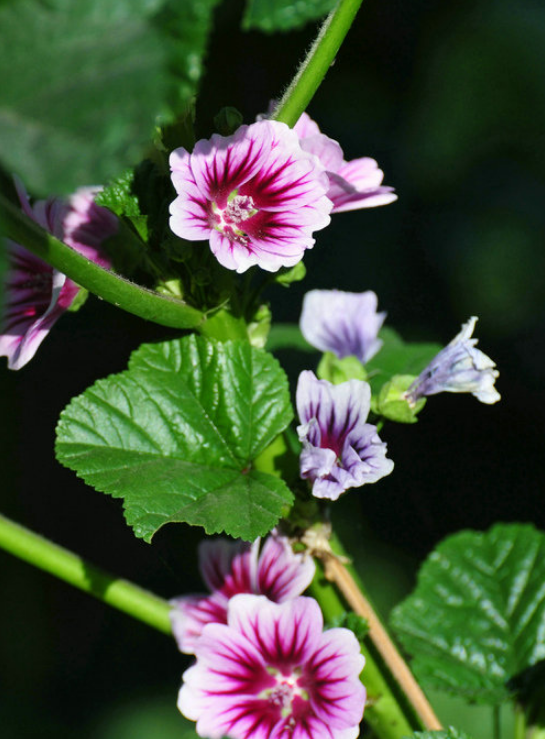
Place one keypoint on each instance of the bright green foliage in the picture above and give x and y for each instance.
(397, 357)
(391, 403)
(336, 370)
(283, 15)
(175, 436)
(477, 616)
(450, 733)
(287, 336)
(84, 82)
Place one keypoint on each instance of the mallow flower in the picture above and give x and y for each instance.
(256, 196)
(458, 368)
(343, 323)
(340, 450)
(352, 185)
(36, 295)
(231, 567)
(271, 672)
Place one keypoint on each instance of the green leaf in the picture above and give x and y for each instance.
(283, 15)
(397, 357)
(84, 82)
(175, 436)
(477, 616)
(287, 336)
(450, 733)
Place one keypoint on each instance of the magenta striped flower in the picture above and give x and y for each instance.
(36, 295)
(340, 450)
(230, 567)
(352, 185)
(272, 672)
(255, 195)
(343, 323)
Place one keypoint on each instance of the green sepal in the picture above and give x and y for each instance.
(358, 625)
(392, 404)
(337, 370)
(287, 275)
(79, 301)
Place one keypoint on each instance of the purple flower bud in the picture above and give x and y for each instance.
(458, 368)
(343, 323)
(340, 450)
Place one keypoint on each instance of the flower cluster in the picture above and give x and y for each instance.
(36, 295)
(264, 666)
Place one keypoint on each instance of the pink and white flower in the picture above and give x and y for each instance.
(344, 323)
(36, 295)
(255, 195)
(272, 672)
(340, 450)
(230, 567)
(352, 185)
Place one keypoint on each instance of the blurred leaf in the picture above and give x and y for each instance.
(283, 15)
(477, 616)
(450, 733)
(398, 358)
(83, 83)
(175, 436)
(350, 620)
(287, 275)
(287, 336)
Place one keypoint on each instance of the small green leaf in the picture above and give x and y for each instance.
(477, 616)
(287, 275)
(392, 404)
(350, 620)
(397, 357)
(336, 370)
(450, 733)
(287, 336)
(283, 15)
(176, 434)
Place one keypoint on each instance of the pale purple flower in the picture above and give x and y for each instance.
(458, 368)
(343, 323)
(255, 195)
(272, 672)
(340, 450)
(36, 295)
(352, 185)
(230, 567)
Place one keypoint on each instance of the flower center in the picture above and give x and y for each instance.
(229, 219)
(286, 691)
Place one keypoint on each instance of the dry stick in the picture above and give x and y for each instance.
(337, 573)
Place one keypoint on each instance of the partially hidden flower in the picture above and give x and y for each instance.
(255, 195)
(458, 368)
(231, 567)
(340, 450)
(343, 323)
(36, 295)
(272, 672)
(352, 185)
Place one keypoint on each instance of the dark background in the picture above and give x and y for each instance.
(449, 97)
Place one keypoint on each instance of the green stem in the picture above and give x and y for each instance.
(74, 570)
(111, 287)
(388, 718)
(319, 59)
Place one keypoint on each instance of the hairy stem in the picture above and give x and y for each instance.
(133, 298)
(314, 67)
(71, 568)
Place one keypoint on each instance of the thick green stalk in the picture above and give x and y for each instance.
(56, 560)
(138, 300)
(384, 712)
(318, 60)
